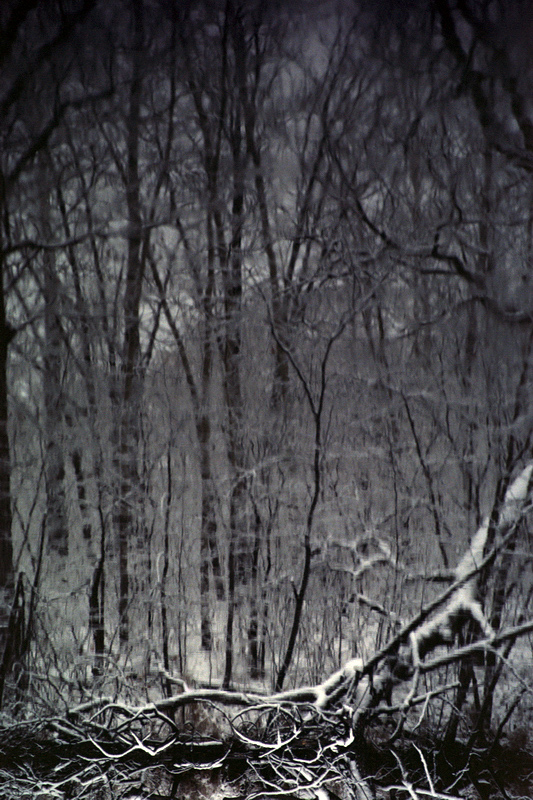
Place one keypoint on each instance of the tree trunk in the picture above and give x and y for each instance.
(237, 501)
(255, 654)
(54, 403)
(232, 274)
(7, 577)
(56, 514)
(97, 613)
(76, 456)
(208, 535)
(6, 546)
(131, 356)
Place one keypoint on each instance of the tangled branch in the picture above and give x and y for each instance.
(293, 743)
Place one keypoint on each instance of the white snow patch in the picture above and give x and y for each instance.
(516, 495)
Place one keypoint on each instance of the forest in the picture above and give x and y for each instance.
(266, 427)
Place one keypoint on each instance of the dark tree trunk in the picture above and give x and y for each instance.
(77, 464)
(163, 588)
(131, 356)
(7, 578)
(207, 533)
(14, 644)
(256, 661)
(56, 514)
(97, 613)
(238, 545)
(6, 545)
